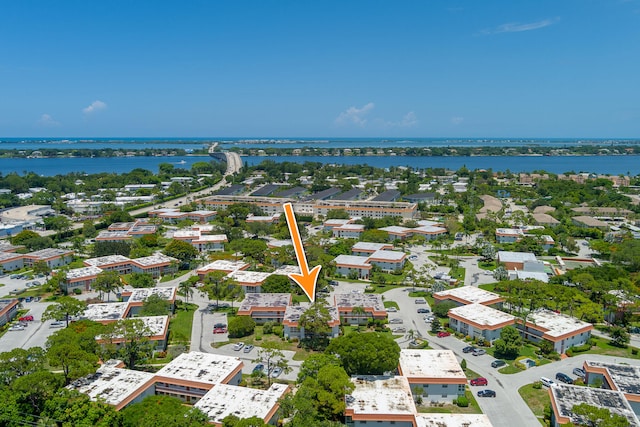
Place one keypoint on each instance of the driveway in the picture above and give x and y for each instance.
(35, 335)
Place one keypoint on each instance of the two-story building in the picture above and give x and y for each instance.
(479, 321)
(435, 375)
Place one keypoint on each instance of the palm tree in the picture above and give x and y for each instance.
(186, 289)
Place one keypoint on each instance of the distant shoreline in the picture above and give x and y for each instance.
(310, 151)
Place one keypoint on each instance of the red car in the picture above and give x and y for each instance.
(219, 328)
(443, 334)
(479, 381)
(28, 318)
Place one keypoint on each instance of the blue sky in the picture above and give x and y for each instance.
(544, 68)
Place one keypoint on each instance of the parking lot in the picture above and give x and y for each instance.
(34, 335)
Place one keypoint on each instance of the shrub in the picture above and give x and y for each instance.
(241, 326)
(569, 352)
(634, 351)
(462, 401)
(537, 385)
(77, 291)
(267, 328)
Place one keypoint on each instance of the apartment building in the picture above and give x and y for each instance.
(371, 304)
(435, 375)
(479, 321)
(265, 307)
(465, 295)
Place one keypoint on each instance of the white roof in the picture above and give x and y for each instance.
(369, 246)
(566, 396)
(396, 229)
(381, 396)
(285, 270)
(106, 311)
(141, 294)
(336, 222)
(556, 324)
(507, 256)
(78, 273)
(532, 275)
(224, 265)
(509, 231)
(199, 367)
(626, 378)
(264, 300)
(427, 222)
(154, 259)
(390, 256)
(106, 260)
(470, 294)
(482, 315)
(111, 385)
(350, 227)
(359, 300)
(186, 234)
(429, 229)
(352, 260)
(113, 234)
(223, 400)
(280, 243)
(452, 420)
(430, 364)
(211, 238)
(252, 277)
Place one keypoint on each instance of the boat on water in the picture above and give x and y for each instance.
(181, 162)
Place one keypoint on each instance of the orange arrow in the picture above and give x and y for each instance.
(307, 280)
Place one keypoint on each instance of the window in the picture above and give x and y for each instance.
(445, 385)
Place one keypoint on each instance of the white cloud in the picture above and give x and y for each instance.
(47, 121)
(354, 115)
(516, 27)
(409, 119)
(94, 107)
(457, 120)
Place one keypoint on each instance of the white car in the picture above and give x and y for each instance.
(391, 310)
(238, 346)
(17, 328)
(57, 324)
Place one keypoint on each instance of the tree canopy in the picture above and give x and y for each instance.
(366, 353)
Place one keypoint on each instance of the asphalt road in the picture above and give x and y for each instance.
(35, 335)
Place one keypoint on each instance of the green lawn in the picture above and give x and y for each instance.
(169, 277)
(488, 265)
(473, 407)
(536, 399)
(488, 287)
(181, 324)
(388, 304)
(603, 347)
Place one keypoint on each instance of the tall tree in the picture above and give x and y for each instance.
(63, 309)
(326, 394)
(128, 339)
(163, 411)
(366, 353)
(107, 281)
(271, 356)
(181, 250)
(315, 321)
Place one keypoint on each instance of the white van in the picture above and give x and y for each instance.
(547, 382)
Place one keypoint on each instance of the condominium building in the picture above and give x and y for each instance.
(435, 375)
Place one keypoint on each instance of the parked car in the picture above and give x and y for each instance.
(219, 328)
(36, 283)
(238, 346)
(17, 328)
(486, 393)
(564, 378)
(259, 367)
(579, 372)
(399, 330)
(396, 321)
(428, 319)
(412, 257)
(333, 282)
(479, 381)
(498, 363)
(391, 310)
(443, 334)
(468, 349)
(420, 301)
(547, 382)
(479, 352)
(27, 318)
(276, 372)
(57, 324)
(423, 310)
(248, 348)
